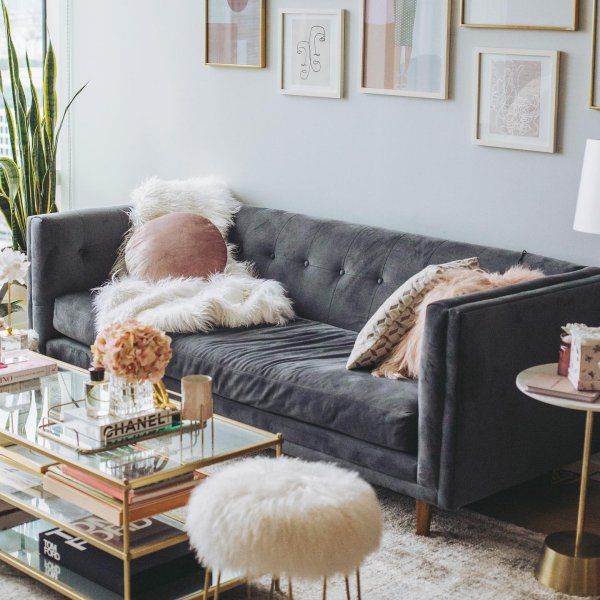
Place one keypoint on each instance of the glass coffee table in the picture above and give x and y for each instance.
(25, 454)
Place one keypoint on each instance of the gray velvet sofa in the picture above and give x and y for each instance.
(458, 434)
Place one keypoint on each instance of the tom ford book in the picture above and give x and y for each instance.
(79, 556)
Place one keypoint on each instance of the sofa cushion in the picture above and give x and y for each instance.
(298, 371)
(74, 317)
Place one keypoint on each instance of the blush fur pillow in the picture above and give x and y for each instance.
(404, 360)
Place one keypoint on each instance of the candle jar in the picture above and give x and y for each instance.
(564, 355)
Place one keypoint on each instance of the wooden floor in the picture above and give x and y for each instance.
(546, 504)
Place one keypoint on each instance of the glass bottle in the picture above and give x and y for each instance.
(97, 397)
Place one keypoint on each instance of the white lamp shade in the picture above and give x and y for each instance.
(587, 215)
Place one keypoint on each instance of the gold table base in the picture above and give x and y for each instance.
(565, 570)
(570, 561)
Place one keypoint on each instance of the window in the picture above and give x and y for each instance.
(28, 23)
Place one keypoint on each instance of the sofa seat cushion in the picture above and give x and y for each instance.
(299, 371)
(74, 317)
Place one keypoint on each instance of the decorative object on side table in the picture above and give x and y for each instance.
(517, 99)
(13, 269)
(570, 562)
(311, 52)
(136, 357)
(564, 353)
(584, 367)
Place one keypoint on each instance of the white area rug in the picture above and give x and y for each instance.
(468, 556)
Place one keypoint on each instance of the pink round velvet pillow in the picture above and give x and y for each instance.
(176, 245)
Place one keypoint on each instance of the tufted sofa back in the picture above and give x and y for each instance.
(340, 273)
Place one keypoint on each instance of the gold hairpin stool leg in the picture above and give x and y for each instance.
(358, 584)
(290, 593)
(347, 582)
(206, 583)
(324, 588)
(218, 588)
(272, 590)
(570, 561)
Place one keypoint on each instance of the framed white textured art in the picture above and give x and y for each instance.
(557, 15)
(312, 52)
(516, 99)
(405, 47)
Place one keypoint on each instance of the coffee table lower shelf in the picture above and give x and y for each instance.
(19, 549)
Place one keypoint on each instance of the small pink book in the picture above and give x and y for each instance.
(34, 365)
(559, 387)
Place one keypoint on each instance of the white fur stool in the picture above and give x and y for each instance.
(284, 517)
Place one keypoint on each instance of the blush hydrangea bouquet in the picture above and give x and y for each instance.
(136, 356)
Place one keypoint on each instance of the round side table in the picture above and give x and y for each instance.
(570, 561)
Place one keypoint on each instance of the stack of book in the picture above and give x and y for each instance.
(67, 552)
(106, 500)
(24, 365)
(558, 386)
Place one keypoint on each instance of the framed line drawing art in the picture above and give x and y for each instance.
(235, 33)
(557, 15)
(595, 74)
(405, 48)
(311, 52)
(516, 99)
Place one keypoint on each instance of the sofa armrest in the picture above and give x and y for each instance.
(71, 251)
(477, 433)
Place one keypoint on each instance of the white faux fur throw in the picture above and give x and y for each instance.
(234, 298)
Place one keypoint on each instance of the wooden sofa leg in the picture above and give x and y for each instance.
(423, 518)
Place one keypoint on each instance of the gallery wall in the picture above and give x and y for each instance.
(153, 108)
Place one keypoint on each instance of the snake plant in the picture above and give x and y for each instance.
(28, 177)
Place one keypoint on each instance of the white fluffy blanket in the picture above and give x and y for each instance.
(234, 298)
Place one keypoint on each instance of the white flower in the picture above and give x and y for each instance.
(13, 266)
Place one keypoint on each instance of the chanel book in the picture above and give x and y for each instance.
(111, 428)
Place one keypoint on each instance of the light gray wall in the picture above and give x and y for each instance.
(152, 107)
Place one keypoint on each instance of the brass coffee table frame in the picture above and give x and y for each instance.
(126, 553)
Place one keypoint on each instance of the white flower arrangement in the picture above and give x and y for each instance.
(13, 269)
(13, 266)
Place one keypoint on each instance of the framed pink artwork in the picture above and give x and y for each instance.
(405, 47)
(235, 33)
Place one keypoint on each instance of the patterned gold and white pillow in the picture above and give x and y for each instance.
(384, 330)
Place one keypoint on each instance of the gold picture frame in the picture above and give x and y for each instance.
(594, 103)
(443, 93)
(262, 42)
(572, 27)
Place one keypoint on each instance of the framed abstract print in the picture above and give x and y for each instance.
(595, 78)
(405, 46)
(558, 15)
(311, 52)
(517, 98)
(235, 33)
